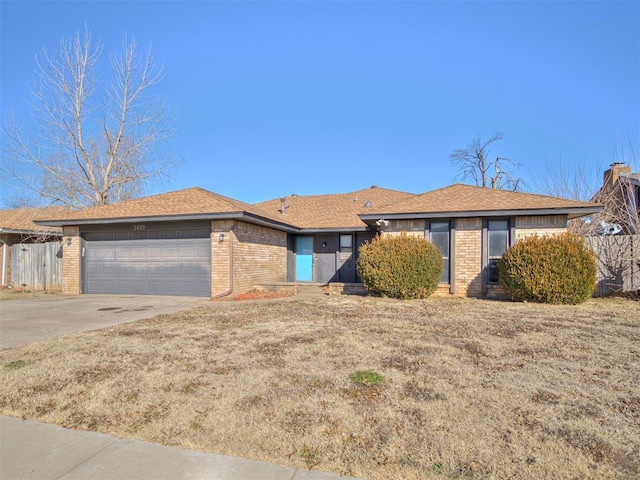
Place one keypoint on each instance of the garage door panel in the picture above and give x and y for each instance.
(188, 269)
(169, 254)
(156, 263)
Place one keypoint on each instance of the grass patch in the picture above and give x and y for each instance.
(366, 378)
(15, 365)
(473, 389)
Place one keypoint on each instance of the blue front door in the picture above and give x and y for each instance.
(304, 259)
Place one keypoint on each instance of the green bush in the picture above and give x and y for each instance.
(557, 269)
(400, 266)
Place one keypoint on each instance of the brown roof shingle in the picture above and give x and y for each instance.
(21, 219)
(190, 201)
(466, 198)
(332, 211)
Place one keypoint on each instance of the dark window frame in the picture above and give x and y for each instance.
(345, 249)
(488, 264)
(451, 246)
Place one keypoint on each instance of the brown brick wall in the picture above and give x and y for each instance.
(259, 256)
(468, 248)
(468, 257)
(71, 261)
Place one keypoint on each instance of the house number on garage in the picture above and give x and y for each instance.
(139, 227)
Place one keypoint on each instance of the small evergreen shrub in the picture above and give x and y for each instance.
(557, 269)
(400, 266)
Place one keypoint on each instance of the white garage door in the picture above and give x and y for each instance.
(168, 262)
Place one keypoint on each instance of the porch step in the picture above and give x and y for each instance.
(310, 289)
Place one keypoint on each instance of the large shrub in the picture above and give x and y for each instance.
(400, 266)
(557, 269)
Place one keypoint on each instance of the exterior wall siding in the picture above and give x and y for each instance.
(540, 225)
(468, 257)
(71, 261)
(257, 254)
(411, 227)
(467, 270)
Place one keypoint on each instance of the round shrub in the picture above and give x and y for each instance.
(557, 269)
(400, 266)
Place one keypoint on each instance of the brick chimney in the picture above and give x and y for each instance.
(612, 174)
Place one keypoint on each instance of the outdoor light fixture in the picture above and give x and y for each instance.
(68, 241)
(324, 244)
(221, 238)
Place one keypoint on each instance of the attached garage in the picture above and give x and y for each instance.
(147, 259)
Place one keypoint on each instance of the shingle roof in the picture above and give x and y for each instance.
(461, 198)
(335, 211)
(188, 202)
(332, 211)
(21, 219)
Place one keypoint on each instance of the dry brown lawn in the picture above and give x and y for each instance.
(17, 293)
(473, 388)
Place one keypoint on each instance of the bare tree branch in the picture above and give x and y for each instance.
(473, 162)
(607, 232)
(88, 148)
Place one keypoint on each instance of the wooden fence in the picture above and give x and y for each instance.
(37, 266)
(618, 263)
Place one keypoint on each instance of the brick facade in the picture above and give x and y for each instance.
(256, 255)
(71, 245)
(468, 257)
(467, 253)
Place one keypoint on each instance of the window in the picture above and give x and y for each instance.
(498, 237)
(440, 238)
(346, 244)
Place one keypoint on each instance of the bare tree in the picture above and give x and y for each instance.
(475, 163)
(90, 147)
(612, 233)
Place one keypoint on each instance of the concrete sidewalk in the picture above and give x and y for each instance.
(32, 450)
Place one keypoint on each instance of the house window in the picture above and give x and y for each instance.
(439, 232)
(498, 239)
(346, 244)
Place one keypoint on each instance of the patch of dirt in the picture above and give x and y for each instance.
(472, 388)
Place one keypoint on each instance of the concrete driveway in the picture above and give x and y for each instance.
(42, 317)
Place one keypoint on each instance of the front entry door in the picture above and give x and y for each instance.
(304, 259)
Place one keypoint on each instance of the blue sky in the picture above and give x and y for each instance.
(309, 97)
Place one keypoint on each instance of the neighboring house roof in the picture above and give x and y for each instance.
(20, 220)
(465, 200)
(188, 204)
(334, 211)
(634, 177)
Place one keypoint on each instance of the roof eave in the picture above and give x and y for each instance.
(571, 212)
(30, 232)
(362, 228)
(239, 215)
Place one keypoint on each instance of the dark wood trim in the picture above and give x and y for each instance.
(452, 255)
(485, 255)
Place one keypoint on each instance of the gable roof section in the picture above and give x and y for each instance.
(465, 200)
(334, 211)
(20, 220)
(189, 204)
